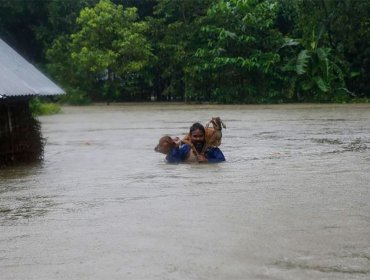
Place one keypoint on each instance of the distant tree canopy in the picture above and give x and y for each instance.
(110, 45)
(224, 51)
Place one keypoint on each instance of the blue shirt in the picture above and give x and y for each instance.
(180, 154)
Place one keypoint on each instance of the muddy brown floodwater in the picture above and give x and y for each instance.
(291, 202)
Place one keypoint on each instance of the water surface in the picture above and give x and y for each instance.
(291, 202)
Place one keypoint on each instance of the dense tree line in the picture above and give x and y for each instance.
(225, 51)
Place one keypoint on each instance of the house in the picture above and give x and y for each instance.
(20, 133)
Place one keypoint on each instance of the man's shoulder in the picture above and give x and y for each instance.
(214, 154)
(212, 149)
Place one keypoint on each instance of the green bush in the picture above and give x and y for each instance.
(39, 107)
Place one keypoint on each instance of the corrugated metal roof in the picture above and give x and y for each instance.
(18, 77)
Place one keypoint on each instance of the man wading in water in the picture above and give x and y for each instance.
(184, 152)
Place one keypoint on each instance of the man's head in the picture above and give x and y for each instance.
(166, 143)
(197, 136)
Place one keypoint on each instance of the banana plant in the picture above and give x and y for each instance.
(318, 73)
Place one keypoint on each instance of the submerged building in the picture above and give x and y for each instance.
(20, 133)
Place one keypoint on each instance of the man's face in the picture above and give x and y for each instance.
(197, 138)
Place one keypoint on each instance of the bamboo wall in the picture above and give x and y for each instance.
(20, 133)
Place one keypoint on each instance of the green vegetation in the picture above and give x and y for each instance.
(222, 51)
(39, 107)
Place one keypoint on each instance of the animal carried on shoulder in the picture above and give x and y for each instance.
(166, 143)
(214, 132)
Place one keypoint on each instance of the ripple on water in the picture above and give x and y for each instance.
(356, 145)
(325, 268)
(327, 141)
(24, 208)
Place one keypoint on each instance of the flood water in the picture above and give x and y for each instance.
(291, 202)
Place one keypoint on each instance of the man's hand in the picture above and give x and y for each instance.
(177, 141)
(201, 158)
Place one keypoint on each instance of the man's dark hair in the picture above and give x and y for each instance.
(196, 126)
